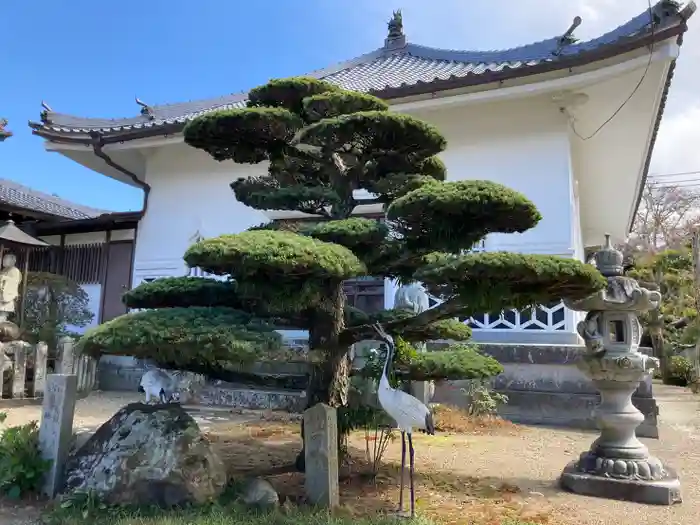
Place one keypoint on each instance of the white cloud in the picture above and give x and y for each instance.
(678, 145)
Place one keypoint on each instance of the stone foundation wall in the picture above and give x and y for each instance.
(542, 383)
(544, 387)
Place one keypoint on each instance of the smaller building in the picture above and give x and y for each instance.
(90, 246)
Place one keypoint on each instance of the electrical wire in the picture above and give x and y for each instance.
(678, 174)
(572, 122)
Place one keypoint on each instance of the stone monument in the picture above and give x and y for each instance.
(414, 298)
(618, 465)
(321, 455)
(56, 428)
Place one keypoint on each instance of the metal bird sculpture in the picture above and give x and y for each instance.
(409, 413)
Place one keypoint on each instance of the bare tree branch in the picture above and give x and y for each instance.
(664, 219)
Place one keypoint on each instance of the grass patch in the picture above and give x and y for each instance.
(220, 515)
(232, 513)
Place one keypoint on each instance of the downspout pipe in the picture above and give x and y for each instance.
(97, 142)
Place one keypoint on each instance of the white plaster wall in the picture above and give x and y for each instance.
(190, 194)
(523, 145)
(90, 238)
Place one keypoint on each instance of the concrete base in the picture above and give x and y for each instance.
(663, 492)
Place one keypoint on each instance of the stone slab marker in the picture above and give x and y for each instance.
(41, 352)
(65, 352)
(56, 430)
(19, 351)
(321, 455)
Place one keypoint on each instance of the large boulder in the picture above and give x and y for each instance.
(147, 455)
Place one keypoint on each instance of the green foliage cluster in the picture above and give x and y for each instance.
(227, 511)
(52, 305)
(185, 337)
(481, 400)
(458, 361)
(21, 466)
(452, 217)
(323, 145)
(680, 371)
(671, 272)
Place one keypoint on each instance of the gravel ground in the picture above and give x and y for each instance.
(532, 460)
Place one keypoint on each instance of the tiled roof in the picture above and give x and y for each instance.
(19, 196)
(392, 70)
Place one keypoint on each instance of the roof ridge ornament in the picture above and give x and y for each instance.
(4, 133)
(44, 115)
(395, 36)
(568, 38)
(664, 9)
(146, 110)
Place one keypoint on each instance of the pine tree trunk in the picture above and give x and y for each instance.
(330, 380)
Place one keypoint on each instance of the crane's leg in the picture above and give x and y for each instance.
(410, 475)
(403, 467)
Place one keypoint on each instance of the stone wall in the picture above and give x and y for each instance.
(544, 387)
(542, 383)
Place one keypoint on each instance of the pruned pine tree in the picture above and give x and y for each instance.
(322, 144)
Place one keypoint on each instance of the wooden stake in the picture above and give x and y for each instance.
(696, 289)
(20, 313)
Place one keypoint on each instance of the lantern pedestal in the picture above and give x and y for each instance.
(618, 465)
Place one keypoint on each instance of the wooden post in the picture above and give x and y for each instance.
(696, 289)
(20, 312)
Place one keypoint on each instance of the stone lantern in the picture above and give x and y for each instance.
(618, 465)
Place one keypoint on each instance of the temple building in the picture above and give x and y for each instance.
(569, 124)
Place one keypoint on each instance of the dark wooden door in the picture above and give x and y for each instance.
(117, 280)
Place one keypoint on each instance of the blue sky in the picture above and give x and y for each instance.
(91, 58)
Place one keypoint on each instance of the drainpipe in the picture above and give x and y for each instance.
(97, 145)
(97, 141)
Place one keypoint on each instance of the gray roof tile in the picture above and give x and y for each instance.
(390, 67)
(19, 196)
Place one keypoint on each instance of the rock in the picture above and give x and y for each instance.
(259, 492)
(147, 455)
(79, 439)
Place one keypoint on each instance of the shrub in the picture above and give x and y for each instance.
(459, 361)
(21, 465)
(52, 305)
(482, 401)
(680, 371)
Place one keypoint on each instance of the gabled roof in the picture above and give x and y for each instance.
(23, 198)
(400, 69)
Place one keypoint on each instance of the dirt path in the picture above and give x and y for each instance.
(531, 459)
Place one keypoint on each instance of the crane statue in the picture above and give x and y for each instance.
(412, 297)
(408, 412)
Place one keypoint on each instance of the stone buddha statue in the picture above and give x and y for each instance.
(10, 280)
